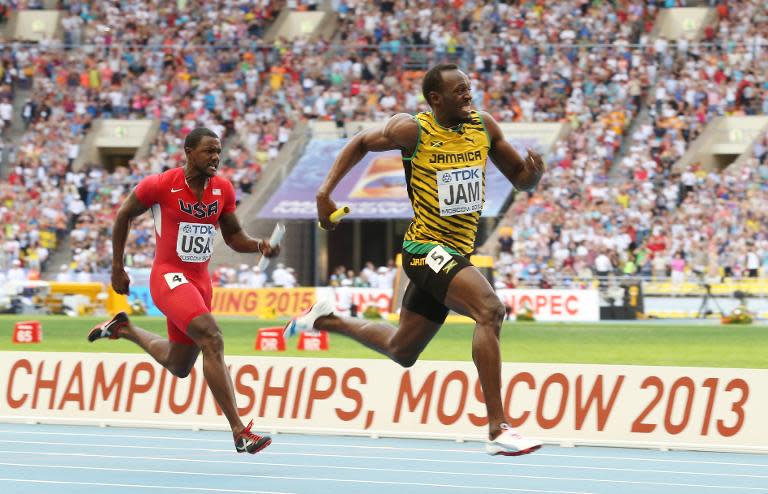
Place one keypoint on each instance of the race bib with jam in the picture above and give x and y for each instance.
(195, 241)
(460, 191)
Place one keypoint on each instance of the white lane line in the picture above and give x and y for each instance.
(140, 486)
(661, 460)
(128, 446)
(277, 477)
(388, 448)
(206, 440)
(407, 470)
(393, 448)
(270, 453)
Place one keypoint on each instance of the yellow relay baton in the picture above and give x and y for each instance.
(336, 216)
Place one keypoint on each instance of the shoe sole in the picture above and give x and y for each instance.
(120, 319)
(517, 453)
(260, 447)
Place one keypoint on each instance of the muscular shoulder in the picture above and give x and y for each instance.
(492, 127)
(166, 177)
(402, 129)
(152, 187)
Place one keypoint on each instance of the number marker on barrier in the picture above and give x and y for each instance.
(275, 239)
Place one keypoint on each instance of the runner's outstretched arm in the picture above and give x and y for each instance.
(399, 132)
(130, 209)
(523, 173)
(239, 241)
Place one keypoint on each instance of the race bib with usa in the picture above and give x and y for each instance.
(195, 241)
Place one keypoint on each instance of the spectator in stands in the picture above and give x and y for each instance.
(677, 267)
(752, 261)
(65, 274)
(280, 276)
(6, 114)
(603, 264)
(257, 279)
(17, 273)
(505, 245)
(368, 274)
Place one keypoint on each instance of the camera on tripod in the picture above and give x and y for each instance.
(704, 309)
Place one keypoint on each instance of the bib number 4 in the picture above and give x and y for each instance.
(175, 279)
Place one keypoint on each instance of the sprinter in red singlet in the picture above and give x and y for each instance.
(187, 203)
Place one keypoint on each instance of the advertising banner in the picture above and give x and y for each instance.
(563, 403)
(292, 301)
(374, 189)
(261, 302)
(554, 305)
(361, 298)
(548, 305)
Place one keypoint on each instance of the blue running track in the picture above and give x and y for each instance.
(69, 459)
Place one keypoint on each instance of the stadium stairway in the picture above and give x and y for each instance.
(297, 233)
(289, 23)
(13, 136)
(724, 141)
(61, 255)
(643, 116)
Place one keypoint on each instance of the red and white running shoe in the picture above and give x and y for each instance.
(306, 321)
(248, 442)
(511, 443)
(109, 329)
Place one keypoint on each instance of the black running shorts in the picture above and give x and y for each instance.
(430, 274)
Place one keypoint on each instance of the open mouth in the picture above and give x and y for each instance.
(466, 108)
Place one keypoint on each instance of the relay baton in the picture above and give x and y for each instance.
(274, 240)
(336, 216)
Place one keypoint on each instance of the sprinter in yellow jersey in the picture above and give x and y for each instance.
(444, 155)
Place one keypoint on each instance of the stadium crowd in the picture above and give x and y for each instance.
(646, 218)
(590, 64)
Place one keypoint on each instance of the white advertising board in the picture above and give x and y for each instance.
(718, 409)
(554, 305)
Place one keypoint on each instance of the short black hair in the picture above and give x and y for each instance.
(193, 138)
(433, 79)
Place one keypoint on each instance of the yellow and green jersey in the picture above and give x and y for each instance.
(445, 176)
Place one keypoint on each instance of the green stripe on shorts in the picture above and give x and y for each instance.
(421, 248)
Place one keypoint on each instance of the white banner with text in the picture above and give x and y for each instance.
(589, 404)
(554, 305)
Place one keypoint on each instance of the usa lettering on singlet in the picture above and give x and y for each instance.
(445, 177)
(185, 224)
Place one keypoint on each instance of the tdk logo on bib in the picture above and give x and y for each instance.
(462, 174)
(460, 191)
(194, 242)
